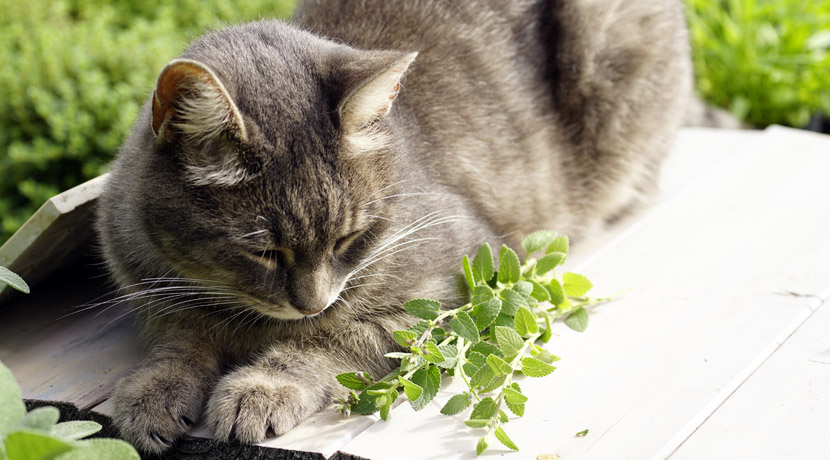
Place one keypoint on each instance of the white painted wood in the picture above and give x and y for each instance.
(743, 217)
(707, 266)
(782, 410)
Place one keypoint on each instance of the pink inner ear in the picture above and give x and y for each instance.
(169, 88)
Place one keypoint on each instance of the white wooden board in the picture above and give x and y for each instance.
(689, 364)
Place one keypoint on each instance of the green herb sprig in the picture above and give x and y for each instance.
(485, 341)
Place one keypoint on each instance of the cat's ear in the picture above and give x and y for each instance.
(374, 94)
(190, 99)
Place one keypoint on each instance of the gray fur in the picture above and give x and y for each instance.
(514, 116)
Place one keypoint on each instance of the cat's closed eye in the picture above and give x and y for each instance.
(272, 258)
(342, 244)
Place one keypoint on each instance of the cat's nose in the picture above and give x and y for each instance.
(310, 291)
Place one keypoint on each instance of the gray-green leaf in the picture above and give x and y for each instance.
(484, 409)
(557, 294)
(12, 279)
(432, 353)
(499, 366)
(483, 264)
(456, 404)
(537, 241)
(578, 319)
(508, 340)
(75, 429)
(464, 326)
(485, 313)
(404, 338)
(352, 381)
(12, 409)
(560, 244)
(513, 396)
(423, 308)
(549, 262)
(429, 379)
(525, 322)
(509, 267)
(41, 418)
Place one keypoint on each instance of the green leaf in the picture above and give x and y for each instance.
(525, 322)
(353, 381)
(423, 308)
(524, 288)
(456, 404)
(486, 313)
(481, 294)
(533, 367)
(412, 390)
(557, 294)
(9, 277)
(575, 285)
(483, 264)
(404, 338)
(384, 409)
(481, 446)
(509, 267)
(31, 445)
(546, 335)
(482, 377)
(508, 340)
(516, 408)
(578, 320)
(41, 418)
(504, 439)
(101, 449)
(549, 262)
(429, 379)
(503, 417)
(464, 326)
(75, 429)
(484, 409)
(450, 353)
(497, 382)
(468, 272)
(12, 409)
(560, 244)
(543, 355)
(499, 366)
(537, 241)
(513, 396)
(487, 349)
(432, 353)
(539, 292)
(581, 434)
(476, 423)
(511, 301)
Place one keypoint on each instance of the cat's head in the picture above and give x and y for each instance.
(273, 155)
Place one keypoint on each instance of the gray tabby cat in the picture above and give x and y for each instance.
(288, 186)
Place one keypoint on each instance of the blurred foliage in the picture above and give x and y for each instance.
(73, 76)
(768, 61)
(74, 73)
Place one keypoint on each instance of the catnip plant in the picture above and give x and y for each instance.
(485, 342)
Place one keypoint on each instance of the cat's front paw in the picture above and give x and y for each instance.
(248, 403)
(156, 405)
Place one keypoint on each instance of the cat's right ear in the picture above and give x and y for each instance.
(189, 99)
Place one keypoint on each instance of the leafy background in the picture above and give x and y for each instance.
(74, 73)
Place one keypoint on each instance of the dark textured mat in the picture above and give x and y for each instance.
(190, 448)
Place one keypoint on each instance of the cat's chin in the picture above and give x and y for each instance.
(283, 313)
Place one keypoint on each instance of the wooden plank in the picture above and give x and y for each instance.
(707, 267)
(782, 410)
(56, 355)
(53, 237)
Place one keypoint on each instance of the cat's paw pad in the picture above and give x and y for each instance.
(154, 407)
(250, 406)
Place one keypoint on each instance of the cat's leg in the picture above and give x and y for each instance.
(164, 397)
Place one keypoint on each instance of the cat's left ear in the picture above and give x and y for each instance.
(373, 96)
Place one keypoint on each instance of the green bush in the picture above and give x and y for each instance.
(768, 61)
(73, 75)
